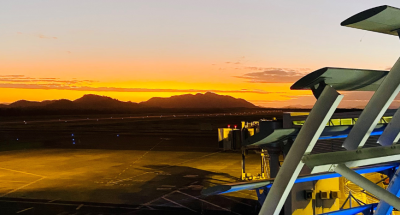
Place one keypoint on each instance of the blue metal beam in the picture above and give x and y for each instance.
(234, 187)
(394, 187)
(365, 209)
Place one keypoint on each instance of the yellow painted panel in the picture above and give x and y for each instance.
(299, 113)
(223, 133)
(335, 122)
(387, 118)
(298, 122)
(326, 205)
(251, 131)
(347, 121)
(307, 210)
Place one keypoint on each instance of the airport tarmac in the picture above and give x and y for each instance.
(121, 165)
(124, 174)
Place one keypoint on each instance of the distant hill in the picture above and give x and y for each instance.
(207, 100)
(91, 101)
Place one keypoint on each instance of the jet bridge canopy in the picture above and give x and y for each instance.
(383, 19)
(342, 79)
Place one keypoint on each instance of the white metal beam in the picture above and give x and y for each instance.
(391, 134)
(304, 143)
(362, 157)
(368, 185)
(375, 109)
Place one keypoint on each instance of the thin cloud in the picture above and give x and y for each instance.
(272, 75)
(24, 79)
(41, 36)
(118, 89)
(23, 82)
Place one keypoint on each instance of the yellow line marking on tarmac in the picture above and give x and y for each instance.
(207, 202)
(79, 207)
(21, 172)
(22, 187)
(178, 204)
(24, 210)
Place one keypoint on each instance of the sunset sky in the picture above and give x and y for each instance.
(133, 50)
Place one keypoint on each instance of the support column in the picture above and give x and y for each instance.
(262, 164)
(273, 163)
(374, 110)
(304, 143)
(394, 187)
(368, 185)
(391, 134)
(243, 164)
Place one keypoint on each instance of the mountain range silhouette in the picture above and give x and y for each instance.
(91, 101)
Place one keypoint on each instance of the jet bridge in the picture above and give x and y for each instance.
(324, 84)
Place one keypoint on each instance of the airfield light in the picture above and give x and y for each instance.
(235, 126)
(72, 135)
(117, 135)
(229, 126)
(73, 142)
(73, 139)
(17, 139)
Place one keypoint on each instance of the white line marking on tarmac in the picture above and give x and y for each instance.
(166, 167)
(235, 200)
(164, 188)
(79, 207)
(207, 202)
(24, 210)
(14, 181)
(22, 172)
(71, 204)
(53, 200)
(178, 204)
(137, 160)
(22, 187)
(147, 203)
